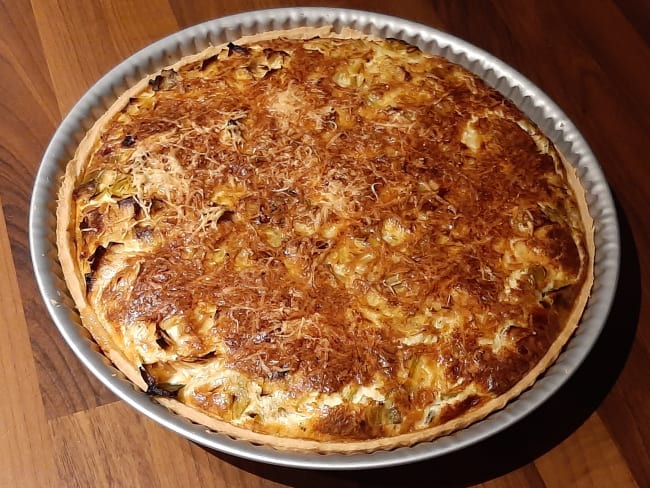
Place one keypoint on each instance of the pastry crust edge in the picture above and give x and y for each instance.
(89, 320)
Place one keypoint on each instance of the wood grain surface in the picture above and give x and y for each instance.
(60, 427)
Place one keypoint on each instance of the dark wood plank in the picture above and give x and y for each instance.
(29, 117)
(23, 428)
(115, 437)
(88, 39)
(202, 10)
(591, 460)
(625, 413)
(125, 19)
(638, 13)
(75, 40)
(525, 476)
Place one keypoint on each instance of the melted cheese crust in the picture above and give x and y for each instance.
(330, 239)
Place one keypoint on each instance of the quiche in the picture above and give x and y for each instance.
(323, 241)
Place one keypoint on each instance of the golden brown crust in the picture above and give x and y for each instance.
(385, 411)
(65, 235)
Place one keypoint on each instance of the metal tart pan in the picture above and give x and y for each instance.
(530, 99)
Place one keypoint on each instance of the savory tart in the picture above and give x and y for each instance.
(324, 242)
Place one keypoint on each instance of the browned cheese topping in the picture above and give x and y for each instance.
(327, 239)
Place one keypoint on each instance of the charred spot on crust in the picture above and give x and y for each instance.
(128, 140)
(457, 409)
(156, 83)
(277, 375)
(165, 80)
(127, 202)
(166, 390)
(162, 338)
(208, 61)
(234, 48)
(143, 232)
(227, 216)
(206, 356)
(95, 261)
(85, 190)
(96, 258)
(157, 205)
(89, 279)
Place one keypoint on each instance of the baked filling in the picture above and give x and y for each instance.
(328, 240)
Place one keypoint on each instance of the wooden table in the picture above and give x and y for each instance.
(60, 427)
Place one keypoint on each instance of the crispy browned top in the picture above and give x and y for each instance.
(322, 216)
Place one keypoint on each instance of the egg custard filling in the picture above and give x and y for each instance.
(324, 243)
